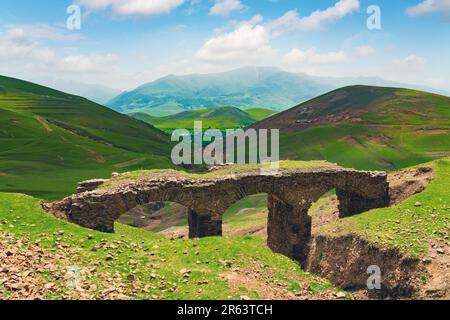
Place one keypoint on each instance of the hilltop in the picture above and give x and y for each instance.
(221, 118)
(366, 127)
(50, 140)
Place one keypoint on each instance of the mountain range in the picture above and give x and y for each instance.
(244, 88)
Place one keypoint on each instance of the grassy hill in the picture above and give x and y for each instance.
(366, 128)
(217, 118)
(136, 264)
(50, 140)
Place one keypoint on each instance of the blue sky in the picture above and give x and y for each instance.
(125, 43)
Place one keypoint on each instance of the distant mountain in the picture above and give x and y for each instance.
(94, 92)
(220, 118)
(366, 127)
(50, 140)
(249, 87)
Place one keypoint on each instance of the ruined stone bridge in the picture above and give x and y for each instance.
(291, 192)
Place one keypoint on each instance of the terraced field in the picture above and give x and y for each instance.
(50, 140)
(368, 128)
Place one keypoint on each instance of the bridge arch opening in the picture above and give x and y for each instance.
(164, 217)
(248, 216)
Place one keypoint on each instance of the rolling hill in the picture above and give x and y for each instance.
(366, 127)
(50, 140)
(220, 118)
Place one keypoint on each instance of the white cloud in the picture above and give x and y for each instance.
(430, 6)
(40, 31)
(246, 44)
(21, 49)
(132, 7)
(317, 20)
(16, 46)
(364, 51)
(410, 63)
(249, 42)
(298, 57)
(93, 63)
(225, 7)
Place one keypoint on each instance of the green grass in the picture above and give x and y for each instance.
(221, 118)
(406, 226)
(50, 140)
(140, 253)
(399, 128)
(259, 113)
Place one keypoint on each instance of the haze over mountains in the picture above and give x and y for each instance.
(245, 88)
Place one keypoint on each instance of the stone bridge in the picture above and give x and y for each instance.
(291, 192)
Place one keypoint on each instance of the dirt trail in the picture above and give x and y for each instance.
(44, 123)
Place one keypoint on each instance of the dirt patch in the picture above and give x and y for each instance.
(258, 279)
(345, 261)
(44, 123)
(352, 141)
(97, 157)
(128, 163)
(433, 131)
(436, 278)
(405, 184)
(4, 174)
(260, 231)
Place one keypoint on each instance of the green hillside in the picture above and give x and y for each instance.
(217, 118)
(136, 264)
(50, 140)
(366, 128)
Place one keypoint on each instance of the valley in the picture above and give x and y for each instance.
(50, 140)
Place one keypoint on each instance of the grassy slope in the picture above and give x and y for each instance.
(407, 226)
(221, 118)
(50, 140)
(141, 254)
(400, 128)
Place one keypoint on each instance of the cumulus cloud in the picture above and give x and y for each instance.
(21, 47)
(316, 20)
(364, 51)
(225, 7)
(311, 57)
(132, 7)
(430, 6)
(410, 63)
(249, 41)
(89, 63)
(246, 44)
(15, 45)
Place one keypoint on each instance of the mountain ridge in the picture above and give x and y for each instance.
(366, 127)
(247, 87)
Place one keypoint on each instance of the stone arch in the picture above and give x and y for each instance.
(291, 192)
